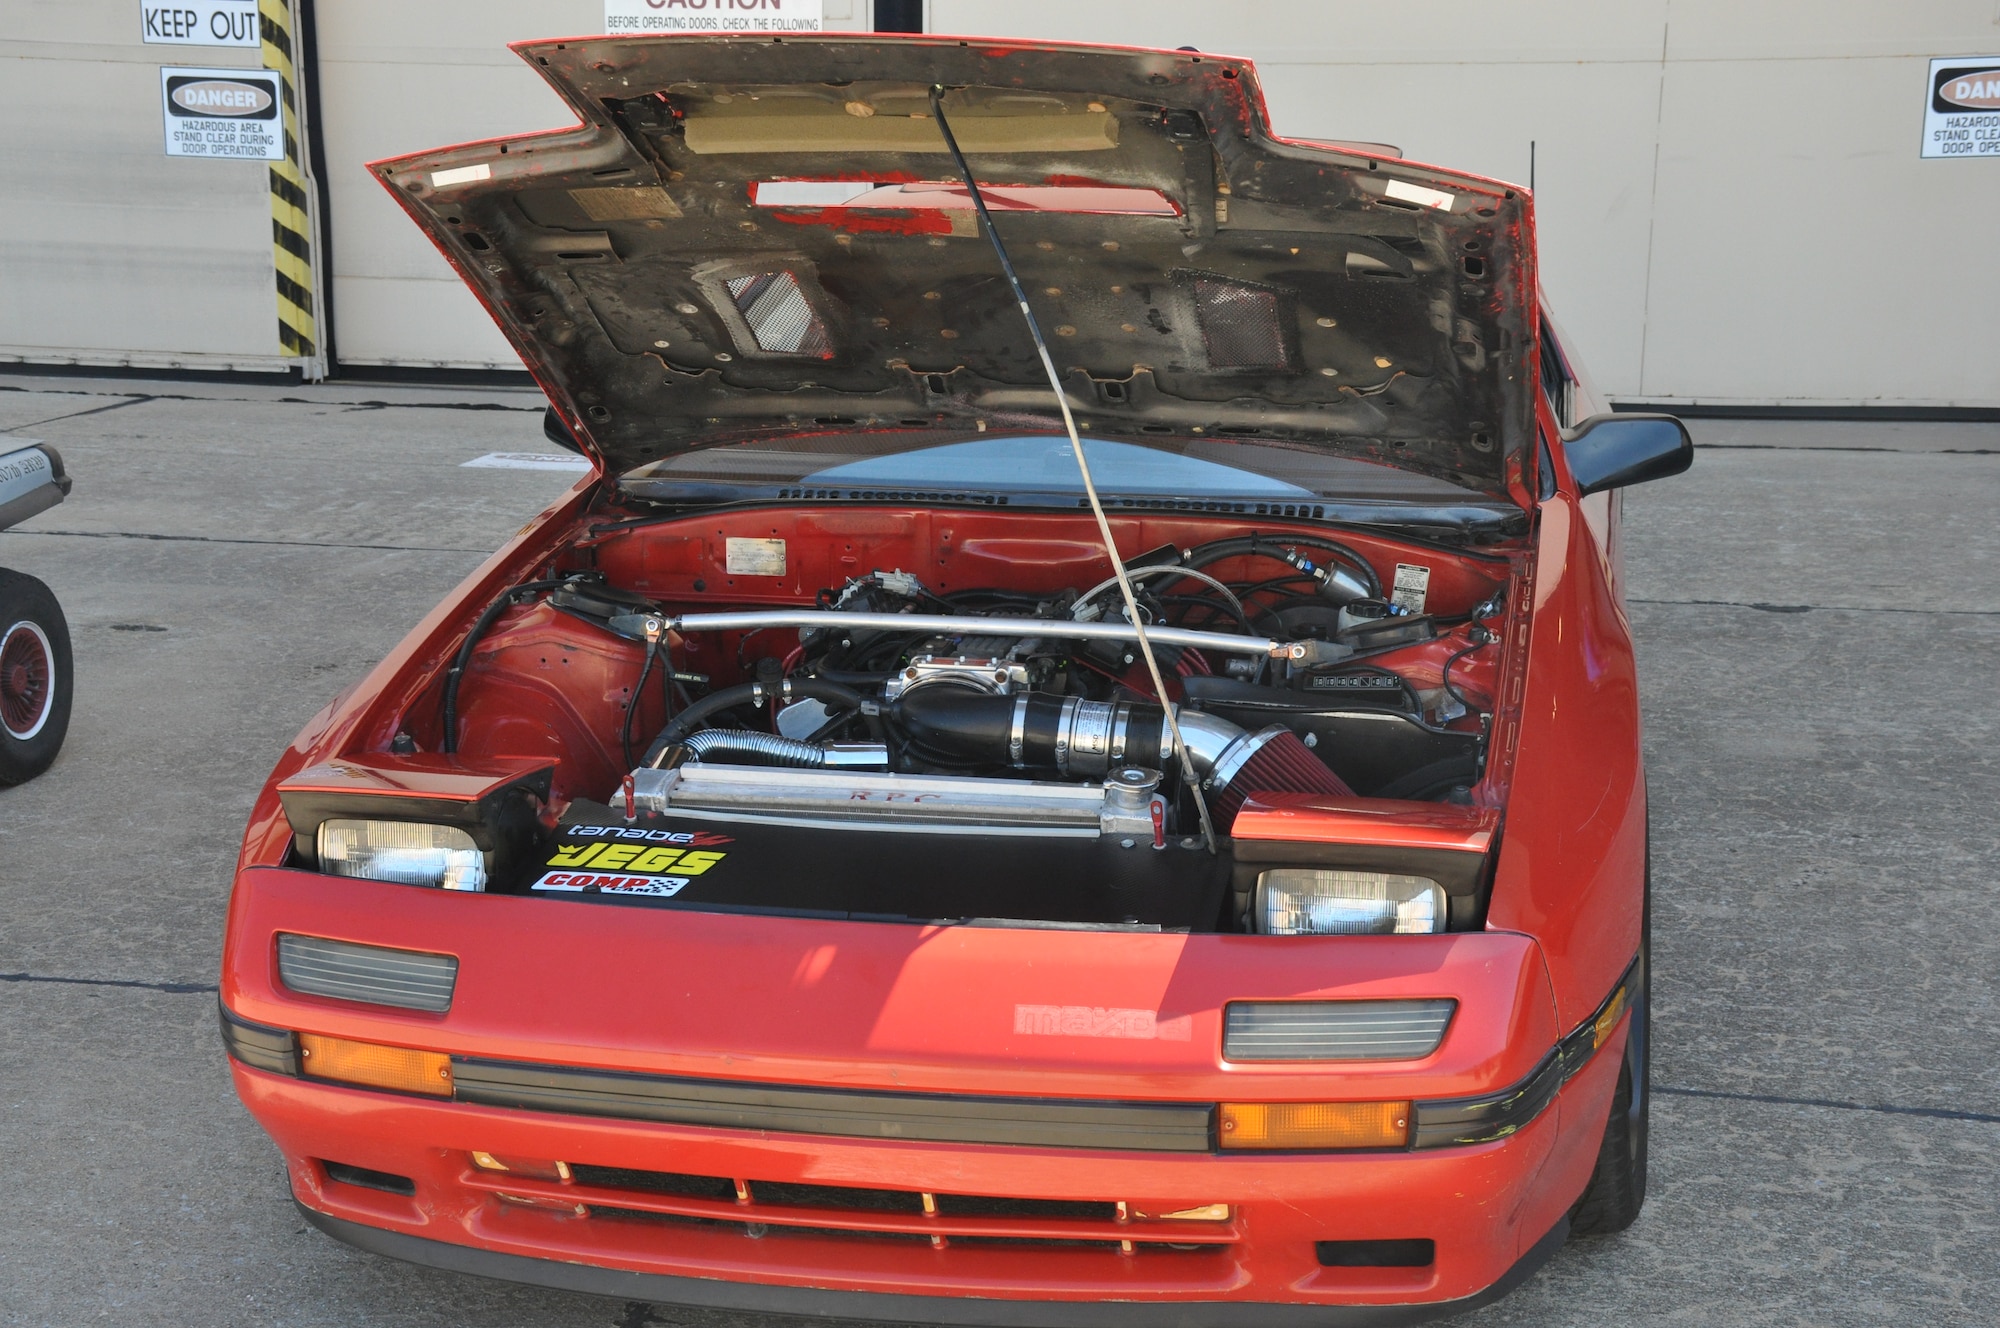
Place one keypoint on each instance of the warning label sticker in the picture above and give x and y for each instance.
(627, 16)
(754, 557)
(1962, 107)
(222, 113)
(1411, 587)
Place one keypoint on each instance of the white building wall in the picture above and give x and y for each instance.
(446, 77)
(1731, 204)
(111, 252)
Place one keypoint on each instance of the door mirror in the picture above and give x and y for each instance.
(1612, 451)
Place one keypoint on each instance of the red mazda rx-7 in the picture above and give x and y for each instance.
(1075, 760)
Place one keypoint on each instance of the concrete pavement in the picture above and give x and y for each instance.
(1819, 622)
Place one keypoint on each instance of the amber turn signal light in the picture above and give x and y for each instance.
(1314, 1125)
(371, 1065)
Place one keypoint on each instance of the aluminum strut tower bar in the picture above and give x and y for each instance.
(1311, 652)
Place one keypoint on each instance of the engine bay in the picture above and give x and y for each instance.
(907, 745)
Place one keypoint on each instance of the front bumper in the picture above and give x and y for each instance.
(1494, 1211)
(821, 1220)
(760, 1298)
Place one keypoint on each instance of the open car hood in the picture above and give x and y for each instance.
(751, 235)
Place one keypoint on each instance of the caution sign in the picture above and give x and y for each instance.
(627, 16)
(1962, 111)
(202, 23)
(222, 113)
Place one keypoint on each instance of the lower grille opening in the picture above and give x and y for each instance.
(386, 1181)
(972, 1205)
(763, 1204)
(789, 1195)
(1377, 1253)
(655, 1182)
(855, 1198)
(755, 1230)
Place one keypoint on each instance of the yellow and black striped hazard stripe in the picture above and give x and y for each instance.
(291, 217)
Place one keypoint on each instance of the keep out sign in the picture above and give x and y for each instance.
(223, 113)
(201, 23)
(1962, 111)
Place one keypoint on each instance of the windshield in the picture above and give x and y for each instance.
(1021, 468)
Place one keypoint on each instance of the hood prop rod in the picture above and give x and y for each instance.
(1188, 777)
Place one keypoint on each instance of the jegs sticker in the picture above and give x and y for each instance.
(1411, 587)
(663, 887)
(638, 859)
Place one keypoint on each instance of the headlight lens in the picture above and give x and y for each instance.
(406, 852)
(1310, 901)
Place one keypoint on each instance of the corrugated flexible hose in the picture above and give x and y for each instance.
(769, 748)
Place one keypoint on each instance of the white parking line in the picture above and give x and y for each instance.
(529, 461)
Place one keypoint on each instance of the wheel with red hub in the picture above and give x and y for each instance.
(35, 671)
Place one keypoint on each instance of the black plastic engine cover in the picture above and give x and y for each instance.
(1381, 752)
(697, 861)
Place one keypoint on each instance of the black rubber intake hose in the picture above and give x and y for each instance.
(1068, 735)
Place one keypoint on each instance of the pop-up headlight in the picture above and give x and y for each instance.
(406, 852)
(419, 818)
(1308, 901)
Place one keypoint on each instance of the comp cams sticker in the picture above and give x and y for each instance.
(629, 860)
(664, 887)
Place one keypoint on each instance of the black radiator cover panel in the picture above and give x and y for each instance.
(886, 875)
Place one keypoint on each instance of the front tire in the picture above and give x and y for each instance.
(36, 671)
(1617, 1188)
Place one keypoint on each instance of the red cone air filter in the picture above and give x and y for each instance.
(1272, 761)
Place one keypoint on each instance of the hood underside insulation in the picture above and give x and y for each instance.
(748, 236)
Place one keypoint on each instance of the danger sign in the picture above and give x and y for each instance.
(223, 113)
(1962, 107)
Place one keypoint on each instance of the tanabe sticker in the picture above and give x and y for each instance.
(1962, 107)
(1412, 587)
(222, 113)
